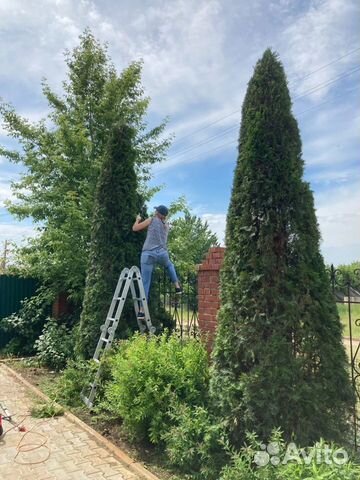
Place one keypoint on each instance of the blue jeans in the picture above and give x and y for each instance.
(150, 258)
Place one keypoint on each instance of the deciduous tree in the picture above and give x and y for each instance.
(63, 155)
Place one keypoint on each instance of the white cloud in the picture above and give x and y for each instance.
(315, 38)
(332, 137)
(5, 183)
(338, 215)
(217, 224)
(331, 177)
(16, 232)
(5, 191)
(224, 146)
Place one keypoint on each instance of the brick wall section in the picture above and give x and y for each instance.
(208, 293)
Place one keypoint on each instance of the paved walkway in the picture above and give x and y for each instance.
(68, 453)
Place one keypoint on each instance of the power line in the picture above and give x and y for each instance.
(238, 110)
(212, 150)
(324, 66)
(308, 92)
(204, 142)
(330, 82)
(200, 154)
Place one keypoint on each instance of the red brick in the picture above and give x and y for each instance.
(217, 249)
(218, 261)
(213, 302)
(208, 293)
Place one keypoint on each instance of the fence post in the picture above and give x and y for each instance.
(208, 293)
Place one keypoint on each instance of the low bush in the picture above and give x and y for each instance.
(76, 376)
(197, 444)
(278, 461)
(150, 375)
(55, 346)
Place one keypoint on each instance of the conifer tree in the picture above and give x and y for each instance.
(113, 243)
(278, 359)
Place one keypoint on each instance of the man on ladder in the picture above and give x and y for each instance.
(155, 251)
(131, 281)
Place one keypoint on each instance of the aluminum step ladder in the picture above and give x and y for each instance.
(129, 280)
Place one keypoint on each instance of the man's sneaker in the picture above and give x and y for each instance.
(178, 291)
(141, 316)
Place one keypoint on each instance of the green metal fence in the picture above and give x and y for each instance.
(12, 290)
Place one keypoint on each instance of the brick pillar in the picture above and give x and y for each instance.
(208, 293)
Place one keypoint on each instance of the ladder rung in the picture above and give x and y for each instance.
(112, 319)
(106, 340)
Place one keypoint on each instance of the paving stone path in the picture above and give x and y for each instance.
(68, 453)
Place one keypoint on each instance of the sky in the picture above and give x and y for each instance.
(198, 58)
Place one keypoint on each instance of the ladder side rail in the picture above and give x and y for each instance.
(106, 336)
(137, 304)
(136, 275)
(94, 386)
(118, 291)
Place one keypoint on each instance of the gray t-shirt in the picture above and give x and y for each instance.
(157, 234)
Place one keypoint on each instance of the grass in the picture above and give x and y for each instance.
(344, 317)
(46, 410)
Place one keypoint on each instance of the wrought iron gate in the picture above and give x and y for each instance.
(183, 310)
(346, 289)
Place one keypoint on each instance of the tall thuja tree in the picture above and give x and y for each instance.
(63, 154)
(278, 359)
(113, 243)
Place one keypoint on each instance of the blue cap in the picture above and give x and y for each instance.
(162, 210)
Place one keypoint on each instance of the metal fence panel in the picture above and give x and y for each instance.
(345, 287)
(12, 291)
(183, 309)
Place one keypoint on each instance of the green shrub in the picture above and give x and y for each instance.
(55, 346)
(26, 325)
(306, 464)
(196, 445)
(150, 374)
(73, 379)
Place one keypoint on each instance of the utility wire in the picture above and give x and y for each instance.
(204, 142)
(201, 154)
(296, 80)
(329, 82)
(308, 92)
